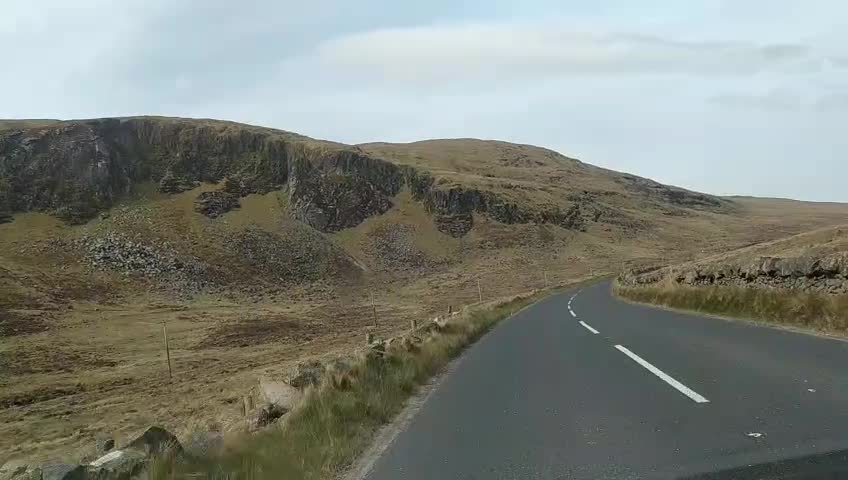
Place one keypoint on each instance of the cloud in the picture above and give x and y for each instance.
(832, 102)
(774, 100)
(451, 52)
(784, 100)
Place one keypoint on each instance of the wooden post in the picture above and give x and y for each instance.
(546, 279)
(413, 324)
(167, 350)
(479, 291)
(374, 309)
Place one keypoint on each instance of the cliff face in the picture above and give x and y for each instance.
(77, 169)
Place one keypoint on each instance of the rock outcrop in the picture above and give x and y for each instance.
(823, 274)
(78, 169)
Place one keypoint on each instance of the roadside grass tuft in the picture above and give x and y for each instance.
(337, 420)
(807, 310)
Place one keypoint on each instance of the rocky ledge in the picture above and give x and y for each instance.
(77, 169)
(825, 274)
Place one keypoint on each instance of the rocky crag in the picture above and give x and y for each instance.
(77, 169)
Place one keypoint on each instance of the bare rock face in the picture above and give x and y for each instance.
(333, 202)
(78, 169)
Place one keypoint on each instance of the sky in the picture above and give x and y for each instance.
(745, 97)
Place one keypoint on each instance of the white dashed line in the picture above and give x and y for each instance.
(572, 313)
(667, 379)
(589, 327)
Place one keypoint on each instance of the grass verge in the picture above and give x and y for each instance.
(807, 310)
(338, 420)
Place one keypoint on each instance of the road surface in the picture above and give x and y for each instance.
(585, 386)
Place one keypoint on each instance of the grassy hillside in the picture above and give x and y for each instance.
(258, 248)
(22, 124)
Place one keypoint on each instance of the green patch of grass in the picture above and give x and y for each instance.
(337, 421)
(807, 310)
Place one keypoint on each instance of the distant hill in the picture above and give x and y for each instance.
(24, 124)
(259, 246)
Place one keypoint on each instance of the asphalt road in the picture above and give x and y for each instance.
(652, 394)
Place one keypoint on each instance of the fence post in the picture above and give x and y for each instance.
(373, 308)
(167, 350)
(479, 291)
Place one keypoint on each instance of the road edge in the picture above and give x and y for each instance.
(363, 466)
(841, 337)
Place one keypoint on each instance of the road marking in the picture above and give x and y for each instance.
(667, 379)
(589, 327)
(572, 313)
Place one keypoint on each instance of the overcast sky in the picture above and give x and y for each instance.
(726, 97)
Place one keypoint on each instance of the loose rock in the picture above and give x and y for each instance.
(155, 441)
(62, 471)
(281, 394)
(117, 465)
(306, 374)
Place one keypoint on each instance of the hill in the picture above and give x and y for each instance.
(20, 124)
(258, 247)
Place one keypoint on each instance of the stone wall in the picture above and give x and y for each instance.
(823, 274)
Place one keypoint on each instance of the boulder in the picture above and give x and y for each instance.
(798, 267)
(265, 416)
(117, 465)
(103, 443)
(833, 265)
(279, 393)
(305, 374)
(768, 266)
(690, 277)
(155, 441)
(62, 471)
(13, 468)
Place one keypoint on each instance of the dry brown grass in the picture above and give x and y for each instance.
(105, 370)
(828, 313)
(20, 124)
(334, 425)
